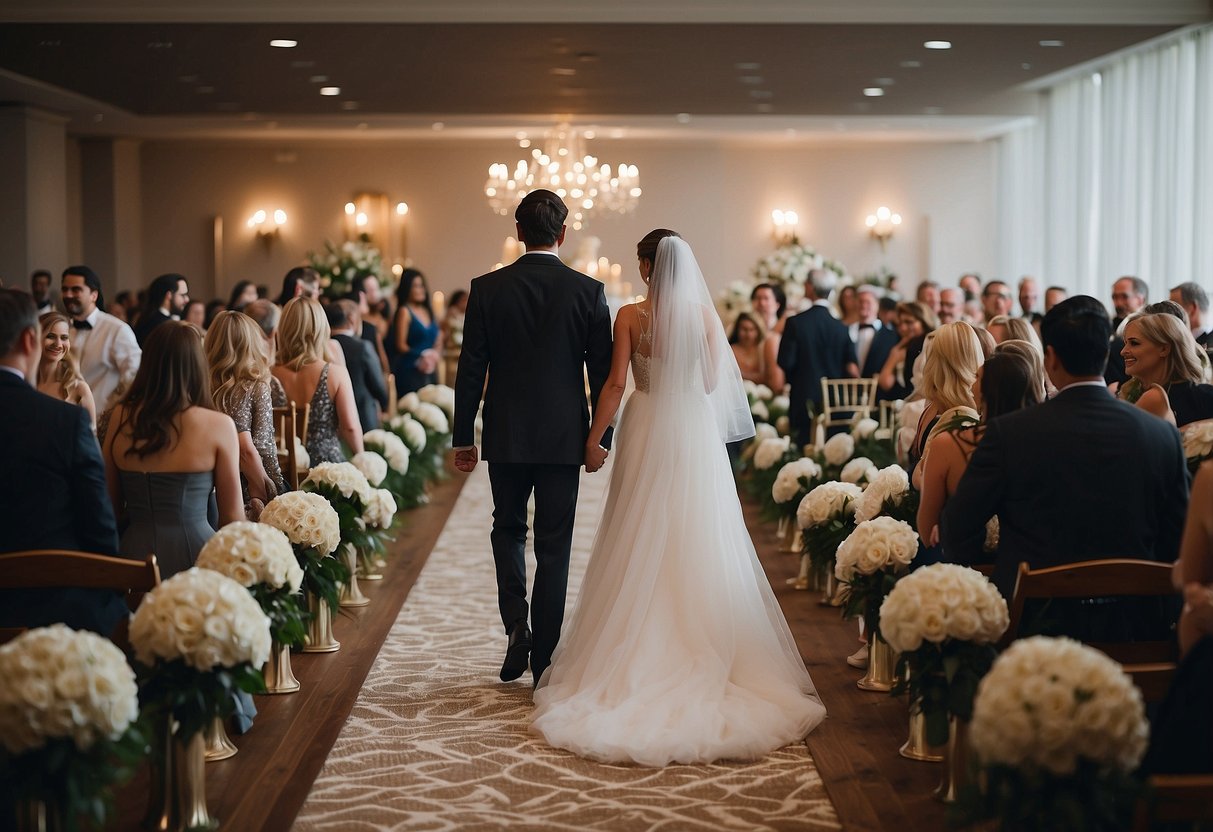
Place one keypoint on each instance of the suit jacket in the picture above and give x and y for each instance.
(815, 345)
(367, 377)
(53, 496)
(1081, 477)
(147, 322)
(882, 344)
(535, 329)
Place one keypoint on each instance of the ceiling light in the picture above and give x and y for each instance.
(938, 44)
(284, 43)
(911, 64)
(683, 118)
(1052, 43)
(749, 66)
(751, 79)
(330, 90)
(437, 125)
(873, 92)
(562, 70)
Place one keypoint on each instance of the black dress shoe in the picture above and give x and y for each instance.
(517, 653)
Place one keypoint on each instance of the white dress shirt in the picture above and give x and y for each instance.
(862, 336)
(108, 355)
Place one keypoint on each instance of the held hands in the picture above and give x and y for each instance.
(595, 457)
(428, 362)
(466, 459)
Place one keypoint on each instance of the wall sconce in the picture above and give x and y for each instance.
(881, 225)
(267, 225)
(784, 224)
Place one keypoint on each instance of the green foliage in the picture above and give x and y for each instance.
(906, 510)
(193, 697)
(943, 680)
(287, 612)
(863, 596)
(323, 575)
(822, 542)
(881, 451)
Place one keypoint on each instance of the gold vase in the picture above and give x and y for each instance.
(178, 800)
(882, 666)
(277, 673)
(320, 628)
(38, 816)
(793, 541)
(958, 762)
(829, 590)
(351, 595)
(803, 581)
(218, 745)
(817, 577)
(781, 530)
(368, 569)
(916, 746)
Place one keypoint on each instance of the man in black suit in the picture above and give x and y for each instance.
(873, 339)
(1195, 301)
(1082, 476)
(535, 328)
(52, 494)
(370, 391)
(167, 298)
(815, 345)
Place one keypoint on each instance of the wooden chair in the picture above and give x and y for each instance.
(844, 401)
(1153, 680)
(1185, 799)
(290, 423)
(393, 407)
(889, 417)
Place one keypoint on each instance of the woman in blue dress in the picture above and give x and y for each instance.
(414, 335)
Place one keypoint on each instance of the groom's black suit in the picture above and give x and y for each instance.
(535, 328)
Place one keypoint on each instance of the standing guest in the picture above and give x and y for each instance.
(873, 340)
(240, 381)
(970, 284)
(848, 305)
(1053, 473)
(195, 313)
(105, 346)
(376, 318)
(914, 322)
(452, 324)
(995, 300)
(129, 304)
(366, 376)
(886, 311)
(166, 449)
(1029, 295)
(300, 281)
(307, 377)
(40, 288)
(769, 304)
(414, 335)
(367, 331)
(746, 339)
(166, 300)
(1166, 376)
(58, 374)
(243, 293)
(1195, 301)
(53, 493)
(1053, 296)
(951, 305)
(815, 346)
(928, 295)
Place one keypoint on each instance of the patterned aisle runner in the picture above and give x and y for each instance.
(436, 741)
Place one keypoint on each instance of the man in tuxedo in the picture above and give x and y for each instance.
(1195, 301)
(1129, 294)
(40, 288)
(106, 347)
(52, 494)
(370, 391)
(167, 298)
(535, 328)
(1082, 476)
(815, 345)
(1053, 296)
(874, 340)
(1029, 294)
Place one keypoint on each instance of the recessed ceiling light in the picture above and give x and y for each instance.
(437, 125)
(330, 90)
(589, 134)
(873, 92)
(748, 66)
(1052, 43)
(911, 64)
(562, 70)
(938, 44)
(587, 56)
(683, 118)
(284, 43)
(319, 79)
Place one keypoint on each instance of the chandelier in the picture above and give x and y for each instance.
(564, 167)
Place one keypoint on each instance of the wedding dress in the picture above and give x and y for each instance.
(677, 650)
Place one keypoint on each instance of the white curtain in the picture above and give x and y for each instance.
(1116, 176)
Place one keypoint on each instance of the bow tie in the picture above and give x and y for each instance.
(81, 325)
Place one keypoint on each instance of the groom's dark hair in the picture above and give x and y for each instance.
(540, 217)
(1078, 330)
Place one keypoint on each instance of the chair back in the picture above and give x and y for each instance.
(393, 407)
(1185, 800)
(290, 423)
(53, 568)
(1153, 680)
(889, 417)
(844, 401)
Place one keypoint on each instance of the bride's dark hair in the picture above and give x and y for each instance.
(646, 249)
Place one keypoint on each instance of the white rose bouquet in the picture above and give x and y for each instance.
(68, 734)
(409, 430)
(1198, 442)
(888, 494)
(873, 443)
(440, 395)
(869, 563)
(771, 452)
(1059, 729)
(944, 620)
(760, 412)
(826, 517)
(381, 509)
(859, 471)
(373, 466)
(777, 408)
(793, 482)
(197, 637)
(437, 427)
(433, 418)
(350, 494)
(837, 450)
(259, 557)
(770, 455)
(314, 529)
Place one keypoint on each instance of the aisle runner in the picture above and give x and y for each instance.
(435, 741)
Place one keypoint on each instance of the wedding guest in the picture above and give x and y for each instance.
(1129, 294)
(970, 284)
(769, 304)
(952, 355)
(243, 293)
(927, 294)
(973, 312)
(58, 374)
(370, 390)
(376, 318)
(1166, 376)
(1033, 353)
(452, 324)
(367, 331)
(1194, 571)
(414, 335)
(914, 322)
(1005, 383)
(126, 305)
(53, 493)
(1051, 473)
(1029, 295)
(165, 450)
(886, 311)
(1195, 301)
(1007, 328)
(195, 314)
(873, 340)
(166, 300)
(40, 289)
(848, 305)
(746, 339)
(951, 305)
(105, 346)
(1053, 296)
(1170, 307)
(240, 381)
(300, 281)
(303, 337)
(995, 300)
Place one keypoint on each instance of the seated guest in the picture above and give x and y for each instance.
(52, 495)
(770, 305)
(1193, 299)
(1034, 355)
(1079, 477)
(58, 374)
(914, 322)
(1165, 372)
(1194, 571)
(1006, 328)
(747, 339)
(300, 281)
(370, 391)
(243, 293)
(952, 356)
(195, 314)
(166, 300)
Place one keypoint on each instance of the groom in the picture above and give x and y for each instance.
(536, 329)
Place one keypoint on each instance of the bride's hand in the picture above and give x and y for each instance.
(595, 457)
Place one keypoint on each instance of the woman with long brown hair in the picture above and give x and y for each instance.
(166, 449)
(58, 374)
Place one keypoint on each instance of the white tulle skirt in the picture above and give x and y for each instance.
(677, 650)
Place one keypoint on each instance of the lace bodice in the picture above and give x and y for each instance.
(642, 359)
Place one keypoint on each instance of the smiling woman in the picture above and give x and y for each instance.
(58, 374)
(1166, 374)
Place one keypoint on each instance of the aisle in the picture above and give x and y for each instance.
(435, 741)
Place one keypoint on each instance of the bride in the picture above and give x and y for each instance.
(677, 650)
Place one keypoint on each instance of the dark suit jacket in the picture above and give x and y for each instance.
(535, 328)
(878, 351)
(815, 345)
(147, 322)
(53, 496)
(1081, 477)
(367, 377)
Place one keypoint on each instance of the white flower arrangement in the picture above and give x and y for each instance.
(1198, 439)
(380, 510)
(344, 477)
(432, 417)
(865, 428)
(302, 461)
(838, 449)
(63, 683)
(763, 393)
(203, 618)
(787, 482)
(759, 411)
(783, 426)
(308, 520)
(340, 267)
(859, 470)
(764, 431)
(826, 502)
(939, 602)
(391, 447)
(411, 430)
(876, 545)
(372, 465)
(1047, 702)
(770, 451)
(408, 402)
(791, 264)
(440, 395)
(251, 554)
(891, 483)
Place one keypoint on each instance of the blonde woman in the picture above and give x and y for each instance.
(1165, 373)
(953, 353)
(240, 387)
(1006, 328)
(306, 376)
(58, 374)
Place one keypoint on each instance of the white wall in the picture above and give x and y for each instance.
(718, 195)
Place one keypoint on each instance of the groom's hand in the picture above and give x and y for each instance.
(466, 459)
(595, 457)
